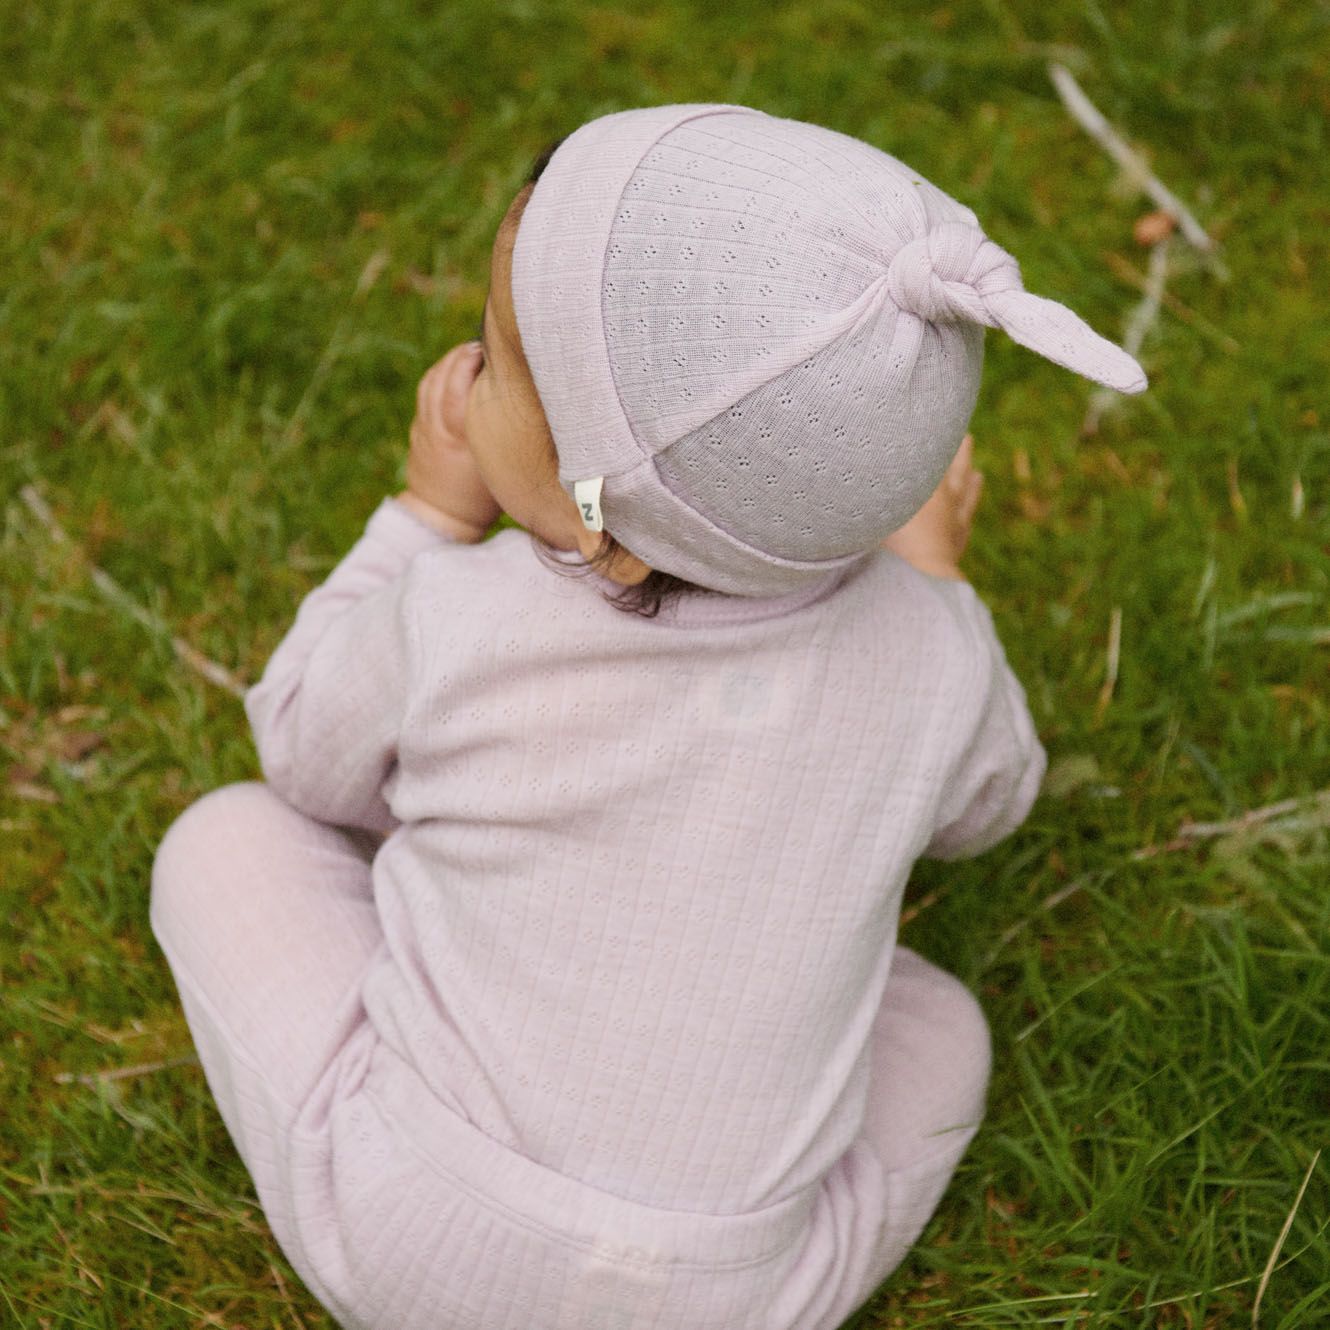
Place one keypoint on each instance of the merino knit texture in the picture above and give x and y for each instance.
(644, 902)
(763, 338)
(638, 905)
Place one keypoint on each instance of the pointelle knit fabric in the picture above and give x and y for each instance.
(758, 342)
(607, 1060)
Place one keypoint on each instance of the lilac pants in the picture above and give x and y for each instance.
(401, 1215)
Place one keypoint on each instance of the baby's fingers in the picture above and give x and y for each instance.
(441, 396)
(457, 387)
(429, 389)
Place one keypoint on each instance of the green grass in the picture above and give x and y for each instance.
(233, 237)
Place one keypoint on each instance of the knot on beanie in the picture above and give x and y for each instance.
(758, 342)
(949, 272)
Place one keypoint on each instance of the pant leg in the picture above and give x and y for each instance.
(267, 920)
(931, 1058)
(930, 1061)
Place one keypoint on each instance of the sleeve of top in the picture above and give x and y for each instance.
(327, 712)
(996, 777)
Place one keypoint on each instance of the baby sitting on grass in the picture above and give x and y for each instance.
(550, 980)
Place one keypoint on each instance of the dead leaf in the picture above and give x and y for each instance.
(71, 745)
(37, 793)
(77, 711)
(1153, 227)
(1035, 509)
(414, 280)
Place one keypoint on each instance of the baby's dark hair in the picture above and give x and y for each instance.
(657, 588)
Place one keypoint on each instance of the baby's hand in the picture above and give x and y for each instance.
(444, 486)
(934, 539)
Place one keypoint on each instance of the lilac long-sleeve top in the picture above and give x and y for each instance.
(642, 877)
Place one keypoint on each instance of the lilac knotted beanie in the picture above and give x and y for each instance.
(758, 342)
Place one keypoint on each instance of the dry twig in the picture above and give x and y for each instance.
(1123, 269)
(1279, 1244)
(1286, 815)
(294, 428)
(1049, 902)
(1088, 116)
(913, 911)
(1111, 662)
(113, 591)
(123, 1073)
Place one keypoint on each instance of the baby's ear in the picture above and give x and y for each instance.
(623, 567)
(589, 542)
(629, 569)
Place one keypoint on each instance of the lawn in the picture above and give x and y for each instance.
(233, 235)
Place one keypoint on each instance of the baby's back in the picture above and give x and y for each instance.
(643, 903)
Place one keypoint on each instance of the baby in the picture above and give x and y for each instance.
(550, 980)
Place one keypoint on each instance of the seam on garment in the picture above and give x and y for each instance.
(929, 1161)
(235, 1050)
(543, 1230)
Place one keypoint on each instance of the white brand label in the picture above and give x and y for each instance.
(587, 495)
